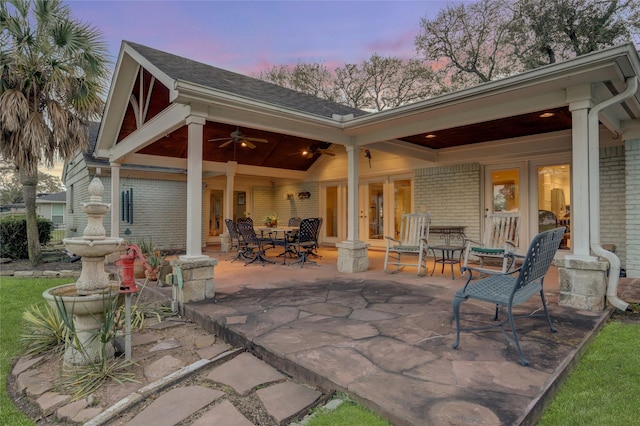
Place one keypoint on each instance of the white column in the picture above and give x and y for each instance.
(228, 203)
(194, 188)
(352, 254)
(581, 196)
(352, 193)
(115, 200)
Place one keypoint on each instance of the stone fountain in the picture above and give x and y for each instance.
(88, 298)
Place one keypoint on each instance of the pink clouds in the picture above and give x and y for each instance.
(249, 36)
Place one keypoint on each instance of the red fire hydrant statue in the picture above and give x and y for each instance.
(126, 262)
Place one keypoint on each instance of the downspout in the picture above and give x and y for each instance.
(594, 188)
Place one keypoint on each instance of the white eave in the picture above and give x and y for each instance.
(527, 92)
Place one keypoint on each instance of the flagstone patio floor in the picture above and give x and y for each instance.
(385, 339)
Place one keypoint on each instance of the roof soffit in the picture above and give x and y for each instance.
(599, 66)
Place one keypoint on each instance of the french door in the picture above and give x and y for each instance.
(381, 204)
(506, 189)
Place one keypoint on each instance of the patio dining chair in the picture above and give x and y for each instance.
(508, 289)
(237, 242)
(500, 237)
(307, 240)
(412, 241)
(256, 246)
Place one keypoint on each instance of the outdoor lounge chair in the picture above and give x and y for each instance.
(500, 237)
(506, 290)
(414, 231)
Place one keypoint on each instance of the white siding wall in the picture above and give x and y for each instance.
(632, 208)
(452, 195)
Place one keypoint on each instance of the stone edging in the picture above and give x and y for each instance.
(66, 273)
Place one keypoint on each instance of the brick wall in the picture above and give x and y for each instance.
(451, 194)
(632, 207)
(269, 200)
(159, 211)
(612, 200)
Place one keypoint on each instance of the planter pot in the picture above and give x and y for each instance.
(153, 274)
(163, 271)
(138, 269)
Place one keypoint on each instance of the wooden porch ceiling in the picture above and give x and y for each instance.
(285, 152)
(522, 125)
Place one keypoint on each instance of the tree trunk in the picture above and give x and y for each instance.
(29, 183)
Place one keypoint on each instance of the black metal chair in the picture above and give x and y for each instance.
(294, 221)
(255, 246)
(506, 290)
(244, 219)
(307, 239)
(316, 246)
(288, 240)
(237, 242)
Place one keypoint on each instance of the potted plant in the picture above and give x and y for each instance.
(271, 220)
(154, 259)
(147, 248)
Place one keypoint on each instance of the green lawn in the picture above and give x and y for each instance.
(602, 390)
(16, 295)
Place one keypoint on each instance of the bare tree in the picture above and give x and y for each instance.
(468, 39)
(351, 83)
(545, 31)
(490, 39)
(313, 79)
(391, 82)
(375, 84)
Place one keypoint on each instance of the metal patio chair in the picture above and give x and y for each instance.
(414, 232)
(237, 242)
(307, 238)
(506, 290)
(500, 237)
(256, 246)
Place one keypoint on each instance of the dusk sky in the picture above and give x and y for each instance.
(249, 36)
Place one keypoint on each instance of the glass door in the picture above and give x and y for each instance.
(554, 199)
(505, 190)
(216, 209)
(381, 206)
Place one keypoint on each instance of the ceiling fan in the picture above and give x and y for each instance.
(240, 138)
(313, 150)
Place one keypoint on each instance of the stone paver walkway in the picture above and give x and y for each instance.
(177, 390)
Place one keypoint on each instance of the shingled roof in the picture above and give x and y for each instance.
(179, 68)
(92, 135)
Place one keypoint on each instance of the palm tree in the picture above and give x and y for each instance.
(53, 72)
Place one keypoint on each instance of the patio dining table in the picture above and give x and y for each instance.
(450, 242)
(280, 236)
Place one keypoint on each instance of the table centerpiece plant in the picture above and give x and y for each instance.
(271, 220)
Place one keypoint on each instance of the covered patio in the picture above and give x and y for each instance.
(386, 338)
(168, 136)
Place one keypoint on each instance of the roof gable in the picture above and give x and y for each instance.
(183, 69)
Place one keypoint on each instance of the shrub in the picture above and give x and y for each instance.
(13, 235)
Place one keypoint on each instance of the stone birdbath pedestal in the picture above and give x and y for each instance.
(93, 294)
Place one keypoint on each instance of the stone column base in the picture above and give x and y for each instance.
(193, 280)
(353, 256)
(583, 284)
(225, 243)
